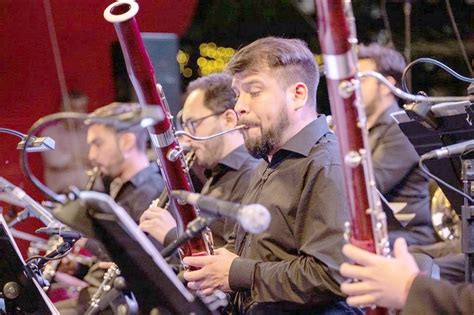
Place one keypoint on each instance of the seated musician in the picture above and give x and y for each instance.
(395, 161)
(129, 178)
(208, 109)
(293, 266)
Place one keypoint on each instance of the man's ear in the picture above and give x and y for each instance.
(230, 118)
(127, 141)
(298, 93)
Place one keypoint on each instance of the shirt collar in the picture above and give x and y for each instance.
(386, 117)
(140, 177)
(304, 140)
(234, 160)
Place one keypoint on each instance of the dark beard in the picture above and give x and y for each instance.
(270, 139)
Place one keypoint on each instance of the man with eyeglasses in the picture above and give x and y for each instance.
(207, 110)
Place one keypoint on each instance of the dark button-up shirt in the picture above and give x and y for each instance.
(135, 196)
(400, 180)
(430, 296)
(296, 261)
(229, 181)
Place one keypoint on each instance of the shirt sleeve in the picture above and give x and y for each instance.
(309, 276)
(429, 296)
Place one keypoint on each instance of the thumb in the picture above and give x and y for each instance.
(400, 248)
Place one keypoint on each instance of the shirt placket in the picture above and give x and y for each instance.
(247, 239)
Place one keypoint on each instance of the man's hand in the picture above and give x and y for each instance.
(157, 222)
(380, 280)
(214, 272)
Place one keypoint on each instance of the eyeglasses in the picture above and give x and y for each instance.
(192, 124)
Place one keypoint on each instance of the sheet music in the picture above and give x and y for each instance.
(132, 229)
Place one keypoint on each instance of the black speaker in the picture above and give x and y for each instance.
(162, 49)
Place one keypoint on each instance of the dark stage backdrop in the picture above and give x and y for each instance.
(29, 85)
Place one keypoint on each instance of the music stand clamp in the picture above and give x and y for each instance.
(193, 229)
(467, 217)
(33, 268)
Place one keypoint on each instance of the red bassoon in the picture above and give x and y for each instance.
(337, 37)
(140, 70)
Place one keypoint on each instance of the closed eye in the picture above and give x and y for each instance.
(254, 93)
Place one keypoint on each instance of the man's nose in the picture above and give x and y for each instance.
(185, 141)
(241, 107)
(92, 156)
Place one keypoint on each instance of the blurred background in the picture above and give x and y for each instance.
(52, 47)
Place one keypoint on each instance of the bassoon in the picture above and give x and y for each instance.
(170, 155)
(337, 36)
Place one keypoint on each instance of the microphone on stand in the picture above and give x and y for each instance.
(449, 151)
(35, 144)
(32, 208)
(65, 234)
(254, 218)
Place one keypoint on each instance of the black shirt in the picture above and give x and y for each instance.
(400, 180)
(296, 261)
(135, 196)
(229, 181)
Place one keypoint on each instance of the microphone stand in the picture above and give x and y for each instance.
(467, 218)
(36, 263)
(193, 229)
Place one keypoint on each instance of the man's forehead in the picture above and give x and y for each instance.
(96, 131)
(245, 79)
(194, 104)
(367, 63)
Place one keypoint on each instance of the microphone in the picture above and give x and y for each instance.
(449, 151)
(254, 218)
(37, 144)
(67, 234)
(32, 208)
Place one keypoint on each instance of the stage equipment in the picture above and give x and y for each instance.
(446, 152)
(32, 208)
(254, 218)
(148, 275)
(35, 144)
(21, 293)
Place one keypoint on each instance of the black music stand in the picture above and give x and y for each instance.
(20, 294)
(150, 278)
(446, 124)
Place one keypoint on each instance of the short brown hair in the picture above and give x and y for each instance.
(218, 93)
(291, 55)
(117, 108)
(388, 61)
